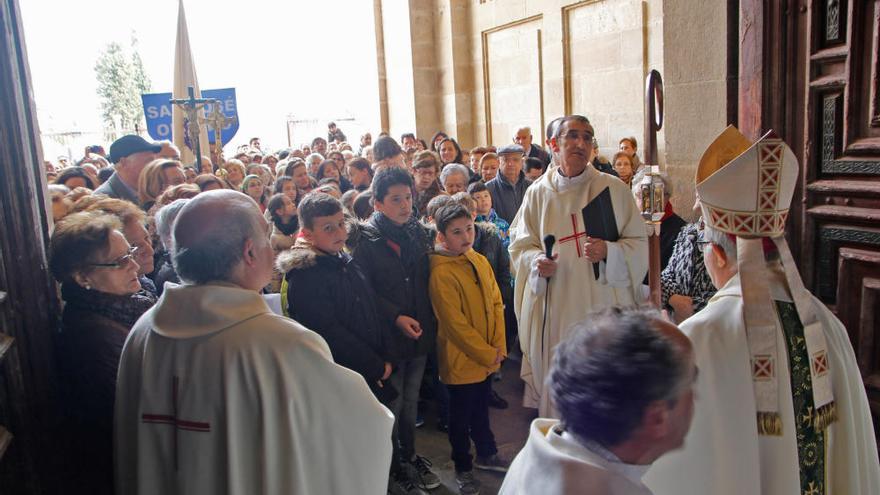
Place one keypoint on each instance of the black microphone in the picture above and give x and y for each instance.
(549, 241)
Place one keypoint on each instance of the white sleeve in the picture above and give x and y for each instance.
(614, 271)
(537, 283)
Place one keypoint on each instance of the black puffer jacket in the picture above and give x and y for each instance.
(487, 242)
(329, 295)
(401, 288)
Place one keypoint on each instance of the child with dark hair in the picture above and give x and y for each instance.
(282, 212)
(363, 205)
(470, 340)
(488, 242)
(326, 291)
(393, 253)
(485, 213)
(285, 185)
(533, 168)
(435, 204)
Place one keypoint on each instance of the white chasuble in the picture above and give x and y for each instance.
(723, 453)
(553, 205)
(218, 395)
(555, 463)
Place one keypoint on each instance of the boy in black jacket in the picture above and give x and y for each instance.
(325, 291)
(393, 253)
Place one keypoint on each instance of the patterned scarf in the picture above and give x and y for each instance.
(409, 237)
(123, 309)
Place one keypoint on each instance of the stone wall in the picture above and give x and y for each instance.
(695, 57)
(478, 69)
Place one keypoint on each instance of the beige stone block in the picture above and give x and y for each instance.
(609, 16)
(682, 33)
(695, 114)
(599, 53)
(631, 48)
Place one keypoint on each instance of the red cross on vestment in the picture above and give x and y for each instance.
(576, 236)
(820, 363)
(762, 367)
(172, 419)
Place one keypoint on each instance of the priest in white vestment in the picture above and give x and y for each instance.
(623, 385)
(781, 408)
(554, 205)
(218, 395)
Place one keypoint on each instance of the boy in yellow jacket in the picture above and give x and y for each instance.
(470, 340)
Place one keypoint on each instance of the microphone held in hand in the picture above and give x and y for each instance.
(549, 241)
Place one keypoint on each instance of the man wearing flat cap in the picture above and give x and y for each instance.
(508, 187)
(130, 154)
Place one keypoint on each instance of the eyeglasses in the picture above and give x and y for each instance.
(120, 262)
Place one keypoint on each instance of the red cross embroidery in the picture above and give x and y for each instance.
(575, 236)
(179, 424)
(820, 363)
(762, 368)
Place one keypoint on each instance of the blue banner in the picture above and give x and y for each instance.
(157, 112)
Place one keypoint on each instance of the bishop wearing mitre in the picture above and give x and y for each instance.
(781, 408)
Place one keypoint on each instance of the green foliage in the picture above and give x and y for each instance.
(121, 81)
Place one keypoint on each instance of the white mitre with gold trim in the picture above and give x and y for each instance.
(745, 190)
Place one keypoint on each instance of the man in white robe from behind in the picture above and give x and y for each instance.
(553, 206)
(623, 385)
(781, 408)
(218, 395)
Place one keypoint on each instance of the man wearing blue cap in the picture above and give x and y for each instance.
(130, 154)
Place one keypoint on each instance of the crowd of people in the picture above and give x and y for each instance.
(285, 316)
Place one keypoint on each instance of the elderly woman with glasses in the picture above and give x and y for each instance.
(103, 299)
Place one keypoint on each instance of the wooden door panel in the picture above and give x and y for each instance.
(840, 237)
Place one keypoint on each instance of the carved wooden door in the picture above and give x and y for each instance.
(840, 233)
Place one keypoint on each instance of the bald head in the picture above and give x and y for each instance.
(211, 233)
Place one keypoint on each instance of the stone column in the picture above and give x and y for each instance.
(695, 81)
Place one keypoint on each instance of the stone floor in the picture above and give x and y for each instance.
(510, 427)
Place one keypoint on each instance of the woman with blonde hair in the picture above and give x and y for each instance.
(235, 173)
(157, 176)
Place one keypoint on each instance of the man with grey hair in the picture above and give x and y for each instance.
(164, 220)
(623, 385)
(523, 137)
(508, 188)
(217, 394)
(313, 161)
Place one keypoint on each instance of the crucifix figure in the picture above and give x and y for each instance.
(173, 420)
(191, 107)
(217, 121)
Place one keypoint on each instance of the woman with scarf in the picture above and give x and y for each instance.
(103, 299)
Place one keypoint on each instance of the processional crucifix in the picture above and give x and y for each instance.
(192, 127)
(218, 121)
